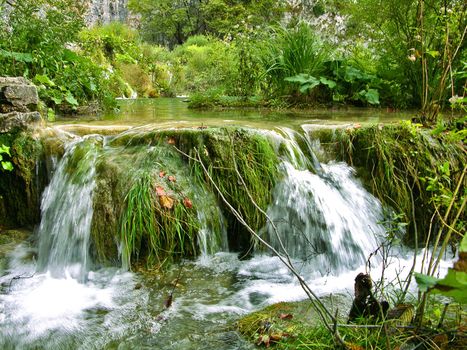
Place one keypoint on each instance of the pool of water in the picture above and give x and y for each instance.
(174, 113)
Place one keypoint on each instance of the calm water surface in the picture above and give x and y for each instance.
(174, 113)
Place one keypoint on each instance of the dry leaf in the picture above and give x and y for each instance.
(285, 316)
(166, 202)
(172, 178)
(187, 203)
(264, 339)
(160, 191)
(276, 336)
(161, 174)
(352, 346)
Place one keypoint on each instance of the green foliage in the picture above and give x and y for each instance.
(204, 64)
(171, 23)
(307, 82)
(290, 53)
(36, 40)
(454, 284)
(6, 165)
(131, 64)
(416, 45)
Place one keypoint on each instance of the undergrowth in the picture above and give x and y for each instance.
(294, 325)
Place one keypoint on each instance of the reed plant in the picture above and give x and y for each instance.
(292, 51)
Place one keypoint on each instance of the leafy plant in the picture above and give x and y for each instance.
(296, 54)
(308, 82)
(454, 284)
(38, 41)
(6, 165)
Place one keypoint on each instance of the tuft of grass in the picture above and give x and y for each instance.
(156, 224)
(293, 51)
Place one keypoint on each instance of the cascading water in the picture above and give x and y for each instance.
(324, 219)
(64, 232)
(327, 219)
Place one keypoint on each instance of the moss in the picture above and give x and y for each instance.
(138, 169)
(288, 324)
(256, 162)
(295, 325)
(20, 189)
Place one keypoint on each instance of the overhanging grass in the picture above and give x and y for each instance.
(135, 167)
(396, 162)
(242, 164)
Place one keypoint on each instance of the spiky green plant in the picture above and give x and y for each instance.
(291, 52)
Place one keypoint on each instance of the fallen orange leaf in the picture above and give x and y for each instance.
(285, 316)
(187, 203)
(166, 202)
(160, 191)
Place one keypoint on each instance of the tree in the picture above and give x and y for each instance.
(419, 43)
(170, 22)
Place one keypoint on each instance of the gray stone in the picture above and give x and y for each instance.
(15, 121)
(17, 94)
(9, 81)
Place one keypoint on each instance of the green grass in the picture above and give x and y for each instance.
(295, 325)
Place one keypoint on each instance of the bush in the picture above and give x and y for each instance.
(201, 68)
(30, 46)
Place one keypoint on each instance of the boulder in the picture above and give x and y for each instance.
(16, 121)
(17, 94)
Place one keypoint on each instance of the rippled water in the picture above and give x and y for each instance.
(122, 310)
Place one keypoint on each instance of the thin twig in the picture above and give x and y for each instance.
(315, 302)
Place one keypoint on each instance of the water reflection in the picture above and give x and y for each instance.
(174, 112)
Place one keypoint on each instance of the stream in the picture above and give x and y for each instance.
(54, 297)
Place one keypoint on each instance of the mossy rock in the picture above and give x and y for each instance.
(284, 323)
(137, 167)
(20, 189)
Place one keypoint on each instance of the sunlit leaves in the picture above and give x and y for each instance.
(454, 285)
(6, 165)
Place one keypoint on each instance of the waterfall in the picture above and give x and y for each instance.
(66, 212)
(324, 216)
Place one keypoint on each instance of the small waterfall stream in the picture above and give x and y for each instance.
(64, 232)
(324, 218)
